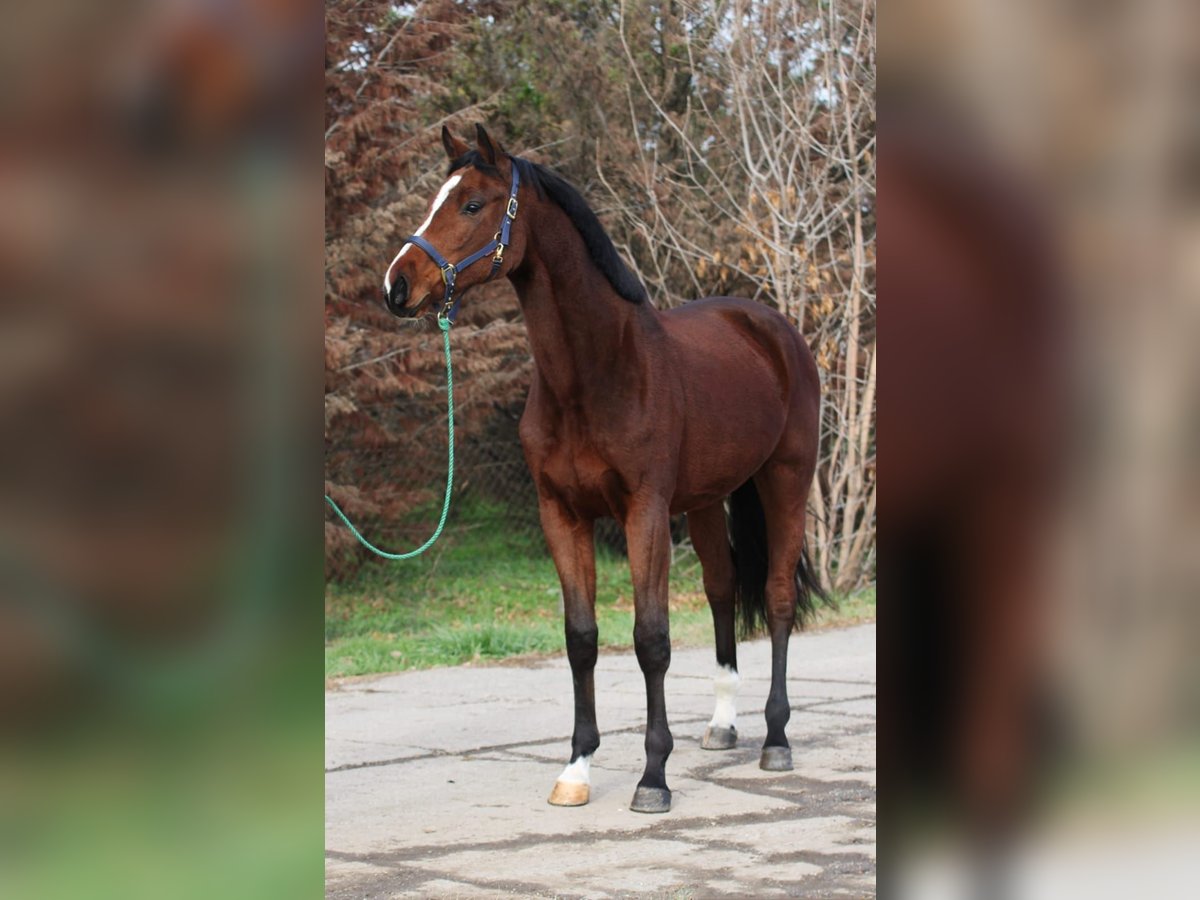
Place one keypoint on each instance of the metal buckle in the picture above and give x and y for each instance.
(448, 273)
(511, 212)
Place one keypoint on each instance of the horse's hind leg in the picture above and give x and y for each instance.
(710, 539)
(571, 545)
(783, 491)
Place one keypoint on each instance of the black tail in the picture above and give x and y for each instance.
(748, 537)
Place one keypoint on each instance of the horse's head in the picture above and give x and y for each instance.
(470, 235)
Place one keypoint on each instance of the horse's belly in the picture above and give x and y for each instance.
(696, 490)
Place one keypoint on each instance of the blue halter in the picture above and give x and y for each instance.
(495, 246)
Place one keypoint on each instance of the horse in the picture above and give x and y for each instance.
(639, 414)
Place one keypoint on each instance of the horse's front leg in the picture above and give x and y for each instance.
(648, 534)
(571, 545)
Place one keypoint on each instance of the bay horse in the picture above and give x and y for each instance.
(636, 413)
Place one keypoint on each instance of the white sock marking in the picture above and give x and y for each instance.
(725, 686)
(577, 772)
(450, 185)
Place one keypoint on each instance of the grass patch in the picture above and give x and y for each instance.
(488, 593)
(852, 609)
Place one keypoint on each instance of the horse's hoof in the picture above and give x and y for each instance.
(651, 800)
(776, 759)
(719, 738)
(567, 793)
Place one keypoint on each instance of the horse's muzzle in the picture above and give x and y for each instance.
(397, 296)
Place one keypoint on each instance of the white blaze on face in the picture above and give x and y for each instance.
(577, 772)
(450, 185)
(726, 686)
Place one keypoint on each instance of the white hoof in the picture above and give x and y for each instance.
(567, 794)
(571, 789)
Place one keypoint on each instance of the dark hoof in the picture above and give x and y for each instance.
(651, 800)
(776, 759)
(719, 738)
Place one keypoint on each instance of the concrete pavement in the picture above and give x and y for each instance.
(436, 782)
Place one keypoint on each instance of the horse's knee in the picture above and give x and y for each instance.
(652, 644)
(582, 646)
(718, 587)
(781, 603)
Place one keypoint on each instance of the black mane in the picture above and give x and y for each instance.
(599, 245)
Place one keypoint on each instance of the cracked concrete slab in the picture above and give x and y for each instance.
(436, 782)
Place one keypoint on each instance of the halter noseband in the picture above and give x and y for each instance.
(496, 247)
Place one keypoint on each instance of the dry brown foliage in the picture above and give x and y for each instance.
(728, 147)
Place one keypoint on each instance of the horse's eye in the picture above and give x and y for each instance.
(472, 207)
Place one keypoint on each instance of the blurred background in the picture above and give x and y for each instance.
(728, 148)
(1037, 658)
(158, 240)
(160, 248)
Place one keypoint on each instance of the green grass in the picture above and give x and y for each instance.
(488, 593)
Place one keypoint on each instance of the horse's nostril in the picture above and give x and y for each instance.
(397, 296)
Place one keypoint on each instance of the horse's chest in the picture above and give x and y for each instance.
(584, 479)
(588, 456)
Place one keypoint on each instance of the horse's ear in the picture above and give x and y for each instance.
(454, 147)
(488, 148)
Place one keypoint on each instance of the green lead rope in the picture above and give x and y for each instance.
(444, 324)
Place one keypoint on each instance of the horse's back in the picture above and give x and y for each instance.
(732, 333)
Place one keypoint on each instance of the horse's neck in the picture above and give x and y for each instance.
(583, 335)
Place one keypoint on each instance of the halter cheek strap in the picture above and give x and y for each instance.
(495, 247)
